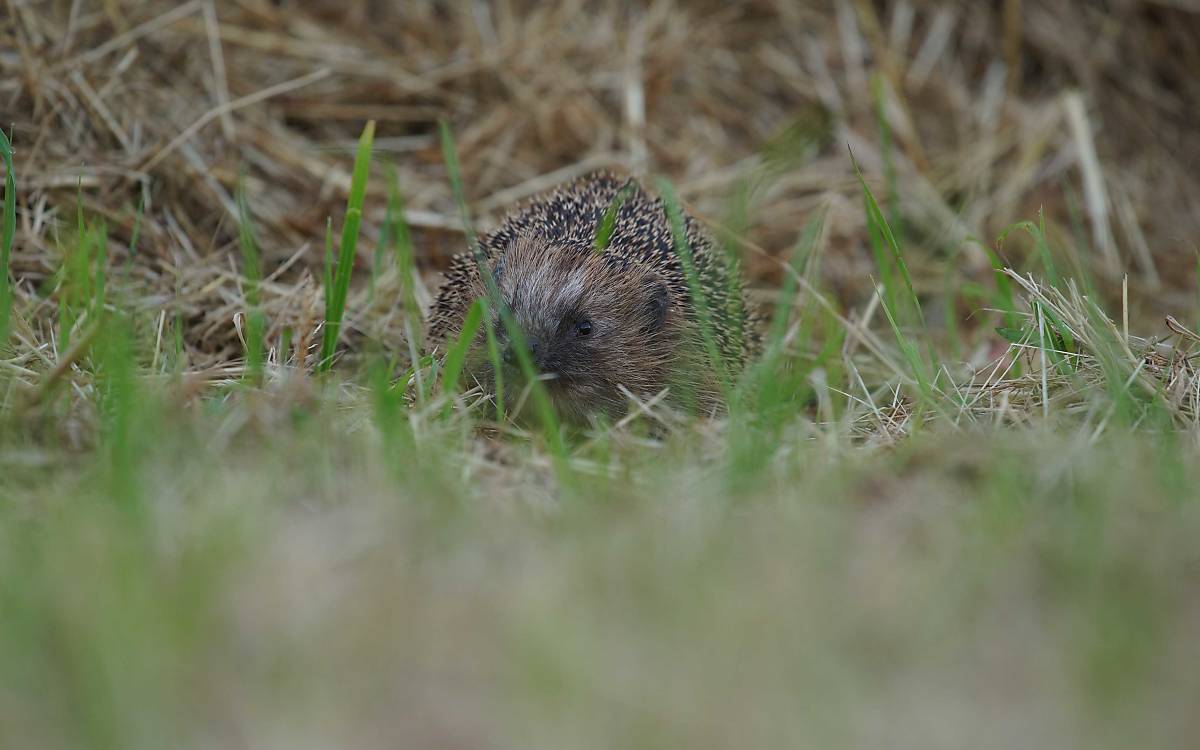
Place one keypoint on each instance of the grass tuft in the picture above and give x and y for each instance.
(918, 364)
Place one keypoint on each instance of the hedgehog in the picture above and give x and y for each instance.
(602, 325)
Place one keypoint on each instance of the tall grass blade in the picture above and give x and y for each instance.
(402, 244)
(608, 222)
(906, 346)
(543, 406)
(704, 315)
(119, 408)
(876, 218)
(921, 369)
(457, 355)
(454, 174)
(335, 308)
(802, 255)
(773, 384)
(81, 278)
(493, 348)
(879, 94)
(252, 271)
(8, 229)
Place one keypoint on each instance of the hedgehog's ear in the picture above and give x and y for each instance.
(657, 301)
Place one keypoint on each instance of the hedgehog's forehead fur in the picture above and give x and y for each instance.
(549, 283)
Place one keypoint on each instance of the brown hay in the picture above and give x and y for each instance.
(168, 102)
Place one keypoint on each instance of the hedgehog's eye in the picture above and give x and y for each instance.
(583, 328)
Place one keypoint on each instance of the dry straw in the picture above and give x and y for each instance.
(989, 115)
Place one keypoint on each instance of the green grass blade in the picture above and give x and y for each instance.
(8, 229)
(336, 298)
(883, 260)
(1044, 248)
(773, 388)
(910, 351)
(454, 174)
(608, 222)
(802, 253)
(921, 368)
(120, 401)
(402, 244)
(875, 216)
(79, 278)
(543, 406)
(456, 357)
(285, 345)
(878, 93)
(695, 287)
(493, 348)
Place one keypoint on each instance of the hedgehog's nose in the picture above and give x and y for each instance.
(535, 352)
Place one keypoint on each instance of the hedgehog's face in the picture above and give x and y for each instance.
(592, 324)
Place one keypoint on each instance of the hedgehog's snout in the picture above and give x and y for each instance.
(535, 352)
(535, 348)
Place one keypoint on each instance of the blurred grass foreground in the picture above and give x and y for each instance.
(954, 504)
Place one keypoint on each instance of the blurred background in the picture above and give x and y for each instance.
(965, 117)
